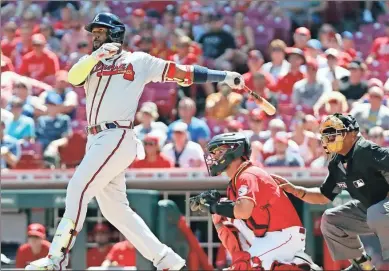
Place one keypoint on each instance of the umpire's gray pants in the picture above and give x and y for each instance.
(342, 225)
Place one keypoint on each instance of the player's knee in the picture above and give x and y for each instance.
(328, 220)
(376, 216)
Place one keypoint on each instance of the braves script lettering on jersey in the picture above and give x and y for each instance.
(115, 85)
(113, 89)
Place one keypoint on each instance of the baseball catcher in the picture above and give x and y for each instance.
(256, 223)
(361, 168)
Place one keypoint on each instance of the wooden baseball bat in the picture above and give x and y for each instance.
(262, 102)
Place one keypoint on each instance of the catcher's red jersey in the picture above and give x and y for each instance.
(273, 210)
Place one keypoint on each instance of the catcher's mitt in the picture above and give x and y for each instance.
(202, 201)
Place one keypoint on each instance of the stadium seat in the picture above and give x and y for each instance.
(31, 157)
(72, 154)
(244, 119)
(30, 160)
(263, 36)
(383, 18)
(216, 126)
(280, 25)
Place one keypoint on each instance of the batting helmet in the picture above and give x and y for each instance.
(116, 28)
(225, 148)
(333, 130)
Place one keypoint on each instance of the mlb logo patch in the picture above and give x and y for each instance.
(359, 183)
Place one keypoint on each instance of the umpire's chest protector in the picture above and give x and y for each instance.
(359, 177)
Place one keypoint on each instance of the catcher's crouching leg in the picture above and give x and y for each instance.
(277, 266)
(242, 260)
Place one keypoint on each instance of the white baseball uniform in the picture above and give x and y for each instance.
(113, 89)
(279, 246)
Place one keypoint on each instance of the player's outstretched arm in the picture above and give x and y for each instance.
(311, 195)
(80, 71)
(193, 74)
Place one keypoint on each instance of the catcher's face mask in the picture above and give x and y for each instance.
(333, 132)
(219, 157)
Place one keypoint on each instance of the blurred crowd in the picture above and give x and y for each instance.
(308, 58)
(109, 247)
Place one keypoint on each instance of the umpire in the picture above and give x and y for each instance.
(362, 168)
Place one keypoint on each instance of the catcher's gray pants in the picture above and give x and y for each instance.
(342, 225)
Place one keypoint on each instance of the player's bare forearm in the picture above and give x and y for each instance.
(243, 208)
(310, 195)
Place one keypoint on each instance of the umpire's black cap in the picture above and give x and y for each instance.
(349, 122)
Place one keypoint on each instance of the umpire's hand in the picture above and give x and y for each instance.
(286, 185)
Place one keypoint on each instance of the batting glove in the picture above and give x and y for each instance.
(234, 80)
(106, 50)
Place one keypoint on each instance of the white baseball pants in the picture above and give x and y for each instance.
(279, 246)
(101, 175)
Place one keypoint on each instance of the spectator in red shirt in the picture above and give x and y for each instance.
(285, 84)
(184, 55)
(41, 63)
(36, 247)
(74, 36)
(122, 254)
(301, 36)
(136, 19)
(65, 23)
(380, 48)
(96, 255)
(160, 48)
(314, 50)
(154, 158)
(254, 63)
(23, 45)
(6, 63)
(348, 44)
(259, 86)
(30, 18)
(8, 41)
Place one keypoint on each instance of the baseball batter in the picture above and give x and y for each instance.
(114, 80)
(258, 224)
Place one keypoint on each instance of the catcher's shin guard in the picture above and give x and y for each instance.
(242, 260)
(63, 240)
(277, 266)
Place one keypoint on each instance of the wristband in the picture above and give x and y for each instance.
(224, 208)
(203, 75)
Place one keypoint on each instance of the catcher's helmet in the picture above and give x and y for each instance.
(333, 129)
(116, 28)
(223, 149)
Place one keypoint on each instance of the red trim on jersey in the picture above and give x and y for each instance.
(164, 71)
(171, 71)
(93, 101)
(84, 190)
(105, 89)
(131, 126)
(290, 238)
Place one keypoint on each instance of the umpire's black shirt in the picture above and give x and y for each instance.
(363, 172)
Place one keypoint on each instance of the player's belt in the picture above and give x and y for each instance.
(92, 130)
